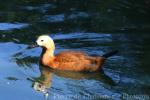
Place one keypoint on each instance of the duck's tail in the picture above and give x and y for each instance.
(109, 54)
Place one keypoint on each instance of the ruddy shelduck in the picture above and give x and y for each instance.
(69, 60)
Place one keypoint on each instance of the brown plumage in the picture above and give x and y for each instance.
(67, 60)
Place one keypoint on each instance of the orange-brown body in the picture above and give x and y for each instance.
(69, 60)
(72, 61)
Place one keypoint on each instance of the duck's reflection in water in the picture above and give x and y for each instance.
(44, 82)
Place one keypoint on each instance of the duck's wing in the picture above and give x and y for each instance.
(70, 56)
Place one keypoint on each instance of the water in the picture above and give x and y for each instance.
(74, 26)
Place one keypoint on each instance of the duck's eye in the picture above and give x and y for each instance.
(42, 40)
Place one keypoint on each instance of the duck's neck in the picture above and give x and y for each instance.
(47, 56)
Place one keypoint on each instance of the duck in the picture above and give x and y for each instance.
(69, 60)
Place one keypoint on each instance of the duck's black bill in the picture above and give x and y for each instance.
(32, 46)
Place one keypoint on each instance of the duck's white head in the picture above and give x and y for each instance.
(45, 41)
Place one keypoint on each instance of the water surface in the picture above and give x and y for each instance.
(74, 26)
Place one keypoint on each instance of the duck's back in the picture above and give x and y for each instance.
(70, 56)
(76, 61)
